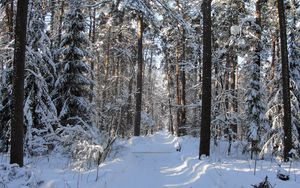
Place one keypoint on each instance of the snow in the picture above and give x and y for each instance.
(150, 162)
(235, 30)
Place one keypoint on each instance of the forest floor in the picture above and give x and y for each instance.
(151, 162)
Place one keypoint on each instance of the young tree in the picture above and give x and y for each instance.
(206, 87)
(73, 83)
(254, 106)
(17, 130)
(39, 110)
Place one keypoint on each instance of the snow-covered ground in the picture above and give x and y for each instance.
(149, 162)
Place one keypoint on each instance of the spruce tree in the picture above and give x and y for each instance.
(73, 83)
(39, 109)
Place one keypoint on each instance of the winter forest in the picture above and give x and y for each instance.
(149, 93)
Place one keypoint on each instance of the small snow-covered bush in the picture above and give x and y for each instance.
(12, 172)
(82, 143)
(147, 122)
(86, 154)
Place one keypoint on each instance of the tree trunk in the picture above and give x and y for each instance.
(256, 74)
(287, 141)
(93, 40)
(182, 127)
(169, 79)
(52, 19)
(129, 111)
(150, 86)
(206, 87)
(178, 96)
(61, 17)
(17, 124)
(139, 78)
(9, 10)
(106, 64)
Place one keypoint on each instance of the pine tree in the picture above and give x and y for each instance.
(17, 130)
(139, 85)
(287, 141)
(39, 110)
(206, 88)
(73, 82)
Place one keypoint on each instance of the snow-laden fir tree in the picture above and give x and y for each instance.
(73, 82)
(39, 109)
(250, 48)
(255, 103)
(255, 109)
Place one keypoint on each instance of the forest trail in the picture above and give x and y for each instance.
(153, 162)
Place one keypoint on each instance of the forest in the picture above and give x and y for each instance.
(86, 82)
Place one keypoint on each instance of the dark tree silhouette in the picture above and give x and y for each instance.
(287, 141)
(17, 122)
(206, 86)
(139, 78)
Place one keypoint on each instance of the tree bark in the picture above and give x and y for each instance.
(287, 140)
(206, 87)
(169, 79)
(93, 40)
(183, 85)
(139, 78)
(61, 17)
(17, 124)
(178, 96)
(9, 10)
(52, 19)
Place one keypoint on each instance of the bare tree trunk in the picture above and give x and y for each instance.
(9, 11)
(61, 17)
(150, 82)
(183, 85)
(52, 19)
(178, 96)
(106, 62)
(17, 124)
(169, 79)
(129, 100)
(287, 140)
(139, 78)
(272, 74)
(93, 40)
(91, 23)
(206, 87)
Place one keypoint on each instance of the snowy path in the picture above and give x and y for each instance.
(152, 162)
(146, 164)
